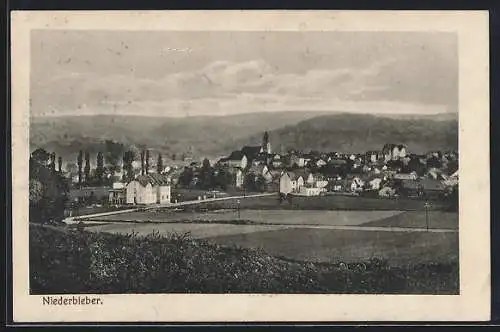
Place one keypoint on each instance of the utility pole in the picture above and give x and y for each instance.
(238, 202)
(427, 205)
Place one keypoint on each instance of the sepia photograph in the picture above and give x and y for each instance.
(243, 161)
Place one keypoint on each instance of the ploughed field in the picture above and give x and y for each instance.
(307, 235)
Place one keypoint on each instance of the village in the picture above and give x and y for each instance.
(392, 172)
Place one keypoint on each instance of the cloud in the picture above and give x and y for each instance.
(223, 87)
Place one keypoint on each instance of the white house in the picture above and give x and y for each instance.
(286, 186)
(301, 162)
(394, 152)
(148, 189)
(357, 184)
(239, 179)
(310, 179)
(298, 160)
(290, 182)
(372, 157)
(451, 180)
(299, 183)
(320, 163)
(375, 183)
(277, 163)
(434, 173)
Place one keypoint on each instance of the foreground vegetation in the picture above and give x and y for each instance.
(64, 260)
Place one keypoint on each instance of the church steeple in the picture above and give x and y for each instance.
(265, 139)
(266, 145)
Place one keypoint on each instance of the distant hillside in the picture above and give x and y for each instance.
(361, 132)
(215, 136)
(197, 136)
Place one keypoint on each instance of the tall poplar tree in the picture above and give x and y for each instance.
(99, 172)
(87, 167)
(80, 167)
(142, 162)
(159, 164)
(147, 162)
(59, 164)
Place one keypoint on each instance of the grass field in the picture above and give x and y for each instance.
(437, 219)
(333, 202)
(276, 232)
(311, 217)
(321, 245)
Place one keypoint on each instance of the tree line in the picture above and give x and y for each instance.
(105, 174)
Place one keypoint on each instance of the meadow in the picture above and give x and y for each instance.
(311, 217)
(334, 246)
(417, 219)
(411, 219)
(328, 202)
(307, 235)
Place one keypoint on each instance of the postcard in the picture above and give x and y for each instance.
(250, 166)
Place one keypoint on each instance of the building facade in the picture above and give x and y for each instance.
(148, 189)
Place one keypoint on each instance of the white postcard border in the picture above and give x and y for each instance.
(472, 304)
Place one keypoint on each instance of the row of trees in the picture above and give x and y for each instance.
(128, 159)
(99, 177)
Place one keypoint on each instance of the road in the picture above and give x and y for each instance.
(76, 219)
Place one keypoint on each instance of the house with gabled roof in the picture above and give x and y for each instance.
(251, 151)
(291, 182)
(261, 170)
(149, 189)
(372, 157)
(394, 151)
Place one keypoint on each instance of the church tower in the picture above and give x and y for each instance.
(266, 145)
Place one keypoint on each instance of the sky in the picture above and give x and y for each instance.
(176, 73)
